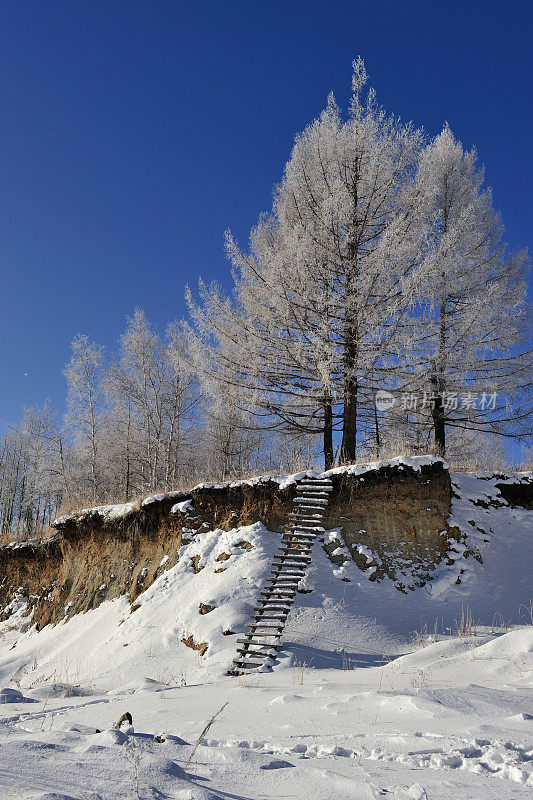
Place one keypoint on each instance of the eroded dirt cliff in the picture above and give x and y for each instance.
(389, 517)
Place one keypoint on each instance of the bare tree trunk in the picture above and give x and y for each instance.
(438, 386)
(376, 429)
(350, 356)
(349, 426)
(328, 434)
(63, 469)
(128, 462)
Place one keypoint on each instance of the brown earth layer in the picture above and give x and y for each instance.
(399, 514)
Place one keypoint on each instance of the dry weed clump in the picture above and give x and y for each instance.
(465, 626)
(300, 671)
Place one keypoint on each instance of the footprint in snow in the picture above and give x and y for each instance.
(286, 699)
(53, 796)
(277, 765)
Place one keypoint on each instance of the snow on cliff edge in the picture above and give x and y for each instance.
(185, 625)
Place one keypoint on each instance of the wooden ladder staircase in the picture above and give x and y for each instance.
(262, 641)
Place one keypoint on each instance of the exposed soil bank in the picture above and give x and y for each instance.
(397, 511)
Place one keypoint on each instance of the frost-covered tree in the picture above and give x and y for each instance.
(152, 395)
(348, 198)
(275, 363)
(469, 312)
(327, 277)
(83, 374)
(30, 480)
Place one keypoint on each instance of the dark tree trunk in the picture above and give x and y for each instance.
(438, 382)
(437, 413)
(349, 429)
(376, 426)
(328, 434)
(349, 420)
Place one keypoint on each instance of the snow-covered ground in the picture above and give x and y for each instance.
(375, 694)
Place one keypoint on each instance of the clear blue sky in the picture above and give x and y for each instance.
(132, 134)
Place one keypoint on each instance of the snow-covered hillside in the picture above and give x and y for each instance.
(374, 695)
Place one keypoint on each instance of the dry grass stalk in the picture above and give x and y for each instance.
(203, 734)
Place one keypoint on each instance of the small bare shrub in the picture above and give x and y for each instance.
(465, 626)
(299, 672)
(420, 681)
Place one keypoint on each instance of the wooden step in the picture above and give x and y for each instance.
(258, 654)
(298, 545)
(255, 625)
(304, 491)
(271, 613)
(276, 616)
(300, 535)
(255, 655)
(313, 526)
(280, 596)
(311, 499)
(259, 631)
(269, 646)
(287, 569)
(304, 514)
(287, 572)
(283, 585)
(245, 639)
(297, 552)
(296, 559)
(278, 601)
